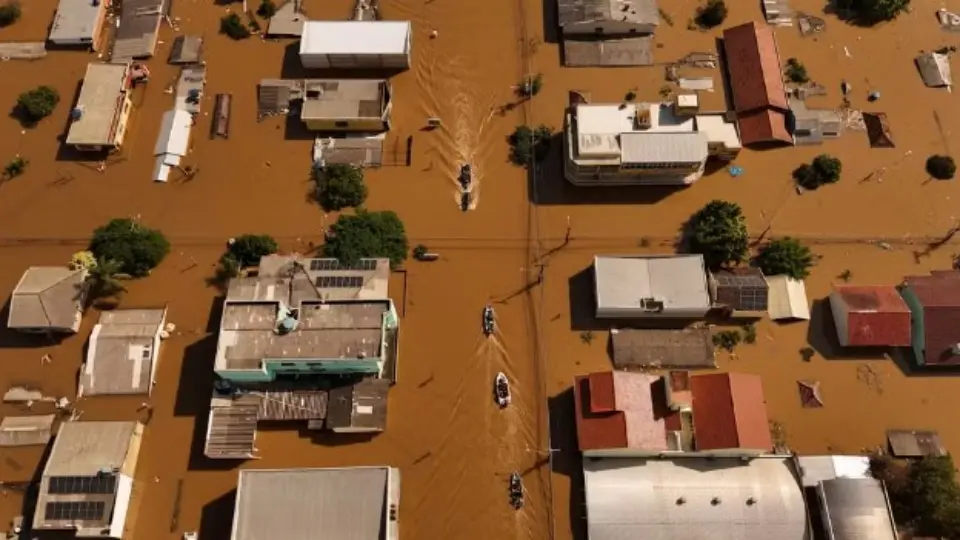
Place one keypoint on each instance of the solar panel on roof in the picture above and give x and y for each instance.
(332, 265)
(753, 300)
(339, 282)
(64, 485)
(75, 510)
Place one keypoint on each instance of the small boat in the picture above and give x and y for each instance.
(466, 176)
(488, 322)
(465, 201)
(501, 390)
(516, 491)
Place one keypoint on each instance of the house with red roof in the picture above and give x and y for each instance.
(756, 83)
(622, 414)
(934, 303)
(870, 316)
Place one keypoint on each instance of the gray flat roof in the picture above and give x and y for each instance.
(679, 281)
(76, 20)
(47, 297)
(99, 103)
(689, 497)
(334, 99)
(121, 354)
(296, 504)
(689, 348)
(26, 430)
(589, 11)
(86, 448)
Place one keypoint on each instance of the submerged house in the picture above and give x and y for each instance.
(48, 299)
(138, 29)
(632, 144)
(355, 105)
(608, 32)
(79, 23)
(377, 45)
(99, 121)
(308, 340)
(934, 69)
(870, 316)
(123, 353)
(742, 292)
(666, 286)
(756, 82)
(621, 414)
(934, 303)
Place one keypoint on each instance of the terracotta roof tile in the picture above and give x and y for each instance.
(639, 416)
(729, 411)
(763, 126)
(753, 65)
(939, 296)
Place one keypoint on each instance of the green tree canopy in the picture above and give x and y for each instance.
(37, 104)
(712, 14)
(340, 186)
(924, 494)
(718, 231)
(824, 169)
(785, 256)
(528, 145)
(796, 72)
(135, 248)
(246, 250)
(102, 280)
(267, 9)
(941, 167)
(367, 235)
(9, 13)
(874, 11)
(232, 26)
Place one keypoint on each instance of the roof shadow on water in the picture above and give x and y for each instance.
(546, 185)
(216, 518)
(567, 460)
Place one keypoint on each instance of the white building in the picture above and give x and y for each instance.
(356, 45)
(658, 286)
(99, 121)
(87, 483)
(632, 144)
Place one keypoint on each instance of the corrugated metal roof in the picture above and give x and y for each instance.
(638, 12)
(934, 69)
(186, 50)
(26, 430)
(694, 498)
(47, 297)
(678, 281)
(121, 354)
(689, 348)
(86, 448)
(651, 148)
(355, 37)
(788, 299)
(300, 504)
(231, 432)
(857, 509)
(136, 35)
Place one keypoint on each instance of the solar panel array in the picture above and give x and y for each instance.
(339, 282)
(82, 485)
(733, 280)
(75, 511)
(327, 265)
(753, 299)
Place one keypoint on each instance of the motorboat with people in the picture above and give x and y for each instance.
(516, 491)
(488, 321)
(501, 389)
(466, 200)
(466, 176)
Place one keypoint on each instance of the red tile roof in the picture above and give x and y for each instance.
(939, 296)
(753, 65)
(621, 410)
(763, 126)
(729, 411)
(877, 316)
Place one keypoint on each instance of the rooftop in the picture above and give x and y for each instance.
(870, 316)
(787, 299)
(358, 407)
(136, 35)
(617, 410)
(729, 411)
(26, 430)
(99, 104)
(857, 508)
(355, 37)
(694, 498)
(122, 351)
(740, 289)
(186, 50)
(718, 129)
(80, 485)
(678, 282)
(641, 12)
(348, 99)
(689, 348)
(346, 504)
(47, 297)
(756, 82)
(599, 128)
(76, 20)
(939, 296)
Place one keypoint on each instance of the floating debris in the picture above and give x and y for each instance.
(735, 170)
(948, 20)
(934, 70)
(810, 25)
(696, 83)
(703, 60)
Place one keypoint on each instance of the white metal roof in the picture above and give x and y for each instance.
(172, 142)
(787, 299)
(816, 469)
(355, 37)
(691, 498)
(718, 130)
(680, 281)
(645, 147)
(99, 101)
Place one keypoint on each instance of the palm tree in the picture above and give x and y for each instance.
(102, 280)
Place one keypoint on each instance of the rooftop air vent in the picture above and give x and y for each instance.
(715, 501)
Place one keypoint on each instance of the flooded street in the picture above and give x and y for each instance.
(454, 447)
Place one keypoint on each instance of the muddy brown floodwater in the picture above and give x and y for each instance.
(455, 449)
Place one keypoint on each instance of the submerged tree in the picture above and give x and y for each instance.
(874, 11)
(249, 248)
(135, 248)
(530, 86)
(15, 168)
(528, 145)
(796, 72)
(232, 26)
(712, 14)
(102, 279)
(339, 186)
(367, 235)
(37, 104)
(785, 256)
(267, 9)
(824, 169)
(718, 231)
(924, 494)
(9, 13)
(941, 167)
